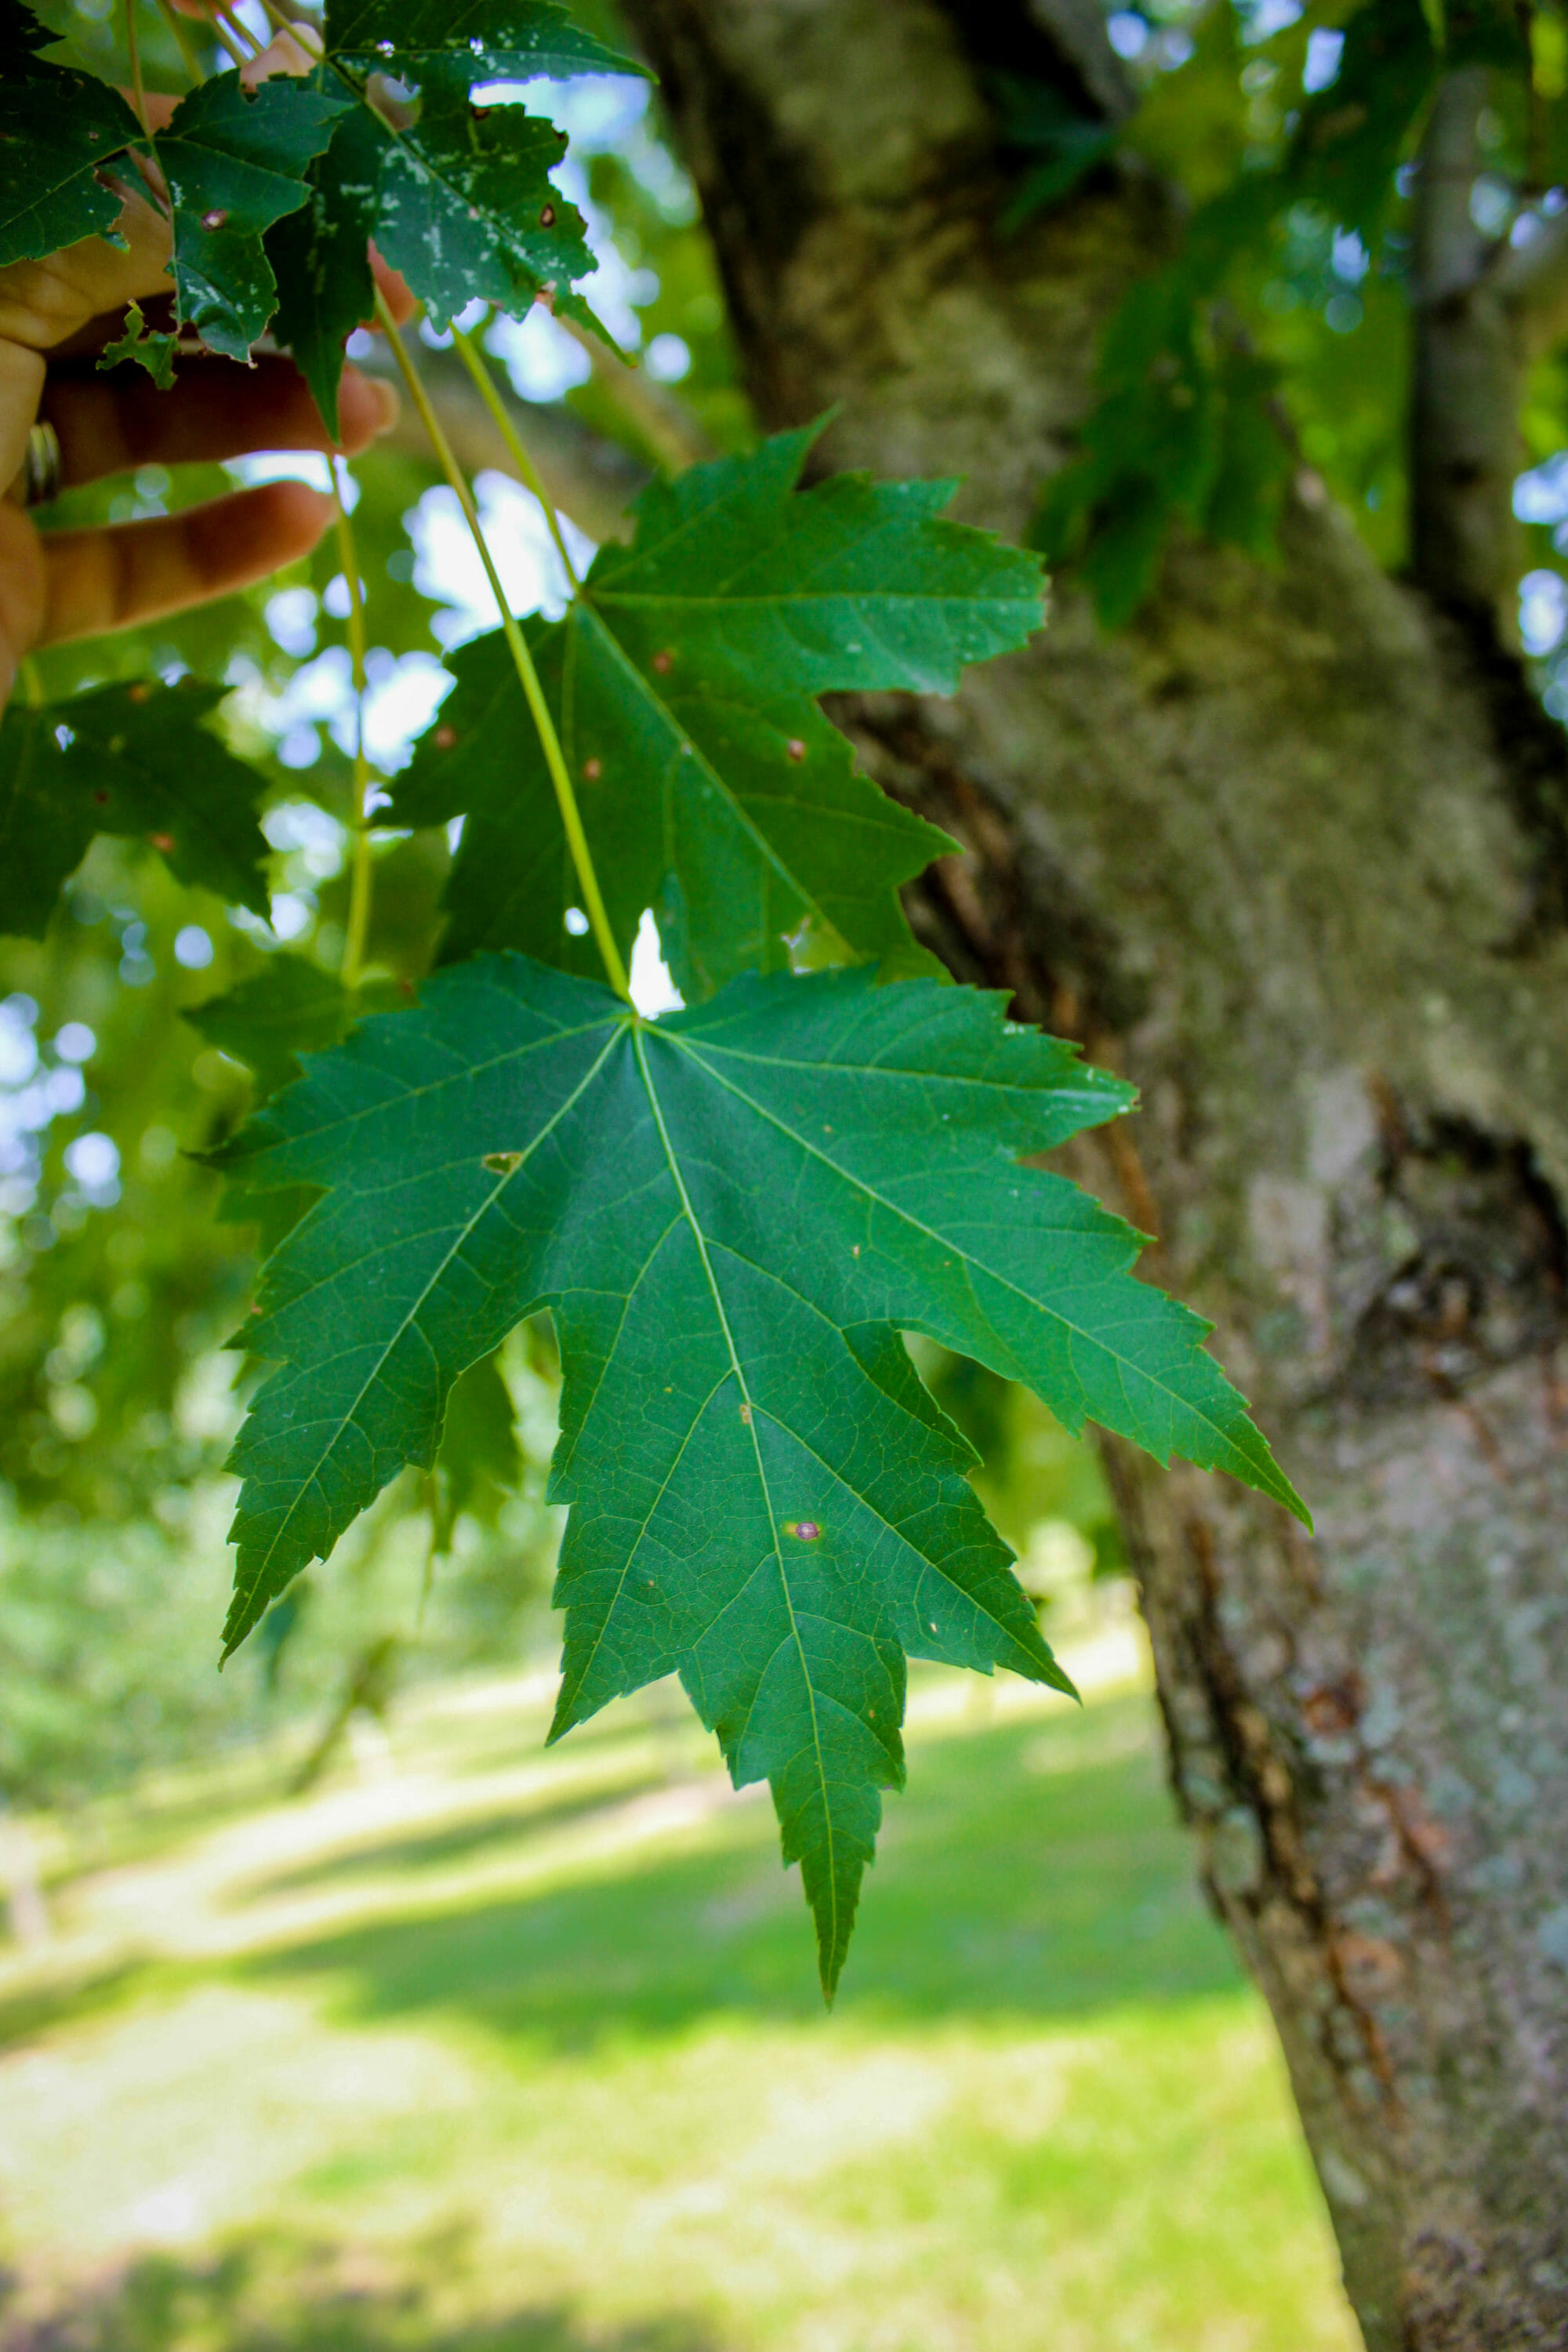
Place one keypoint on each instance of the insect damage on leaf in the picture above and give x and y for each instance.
(684, 684)
(458, 198)
(503, 40)
(764, 1498)
(235, 164)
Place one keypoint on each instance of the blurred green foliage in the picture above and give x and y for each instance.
(1276, 330)
(130, 1048)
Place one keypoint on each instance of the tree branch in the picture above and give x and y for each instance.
(1465, 447)
(1531, 279)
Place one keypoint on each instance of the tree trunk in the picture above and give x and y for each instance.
(1291, 852)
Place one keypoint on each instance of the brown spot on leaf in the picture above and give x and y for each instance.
(445, 737)
(593, 769)
(664, 663)
(796, 748)
(162, 842)
(547, 218)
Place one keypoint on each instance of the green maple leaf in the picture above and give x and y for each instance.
(289, 1008)
(466, 207)
(503, 40)
(682, 683)
(321, 258)
(731, 1216)
(21, 39)
(128, 759)
(57, 130)
(1352, 134)
(235, 164)
(458, 199)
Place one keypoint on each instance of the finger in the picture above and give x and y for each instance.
(21, 383)
(44, 303)
(297, 51)
(400, 297)
(22, 588)
(214, 410)
(101, 579)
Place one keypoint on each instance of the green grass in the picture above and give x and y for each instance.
(519, 2055)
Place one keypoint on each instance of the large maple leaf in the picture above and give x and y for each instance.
(731, 1216)
(683, 682)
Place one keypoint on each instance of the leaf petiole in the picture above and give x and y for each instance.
(306, 34)
(133, 49)
(176, 23)
(517, 644)
(484, 383)
(224, 33)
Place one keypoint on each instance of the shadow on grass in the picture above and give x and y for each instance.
(434, 1849)
(1034, 1871)
(258, 2297)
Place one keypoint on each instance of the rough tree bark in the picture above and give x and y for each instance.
(1293, 853)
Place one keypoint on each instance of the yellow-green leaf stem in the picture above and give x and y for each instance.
(182, 38)
(240, 32)
(528, 677)
(308, 36)
(133, 49)
(484, 383)
(223, 33)
(361, 872)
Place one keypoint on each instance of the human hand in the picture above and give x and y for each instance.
(55, 316)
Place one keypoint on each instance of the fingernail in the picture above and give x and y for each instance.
(389, 407)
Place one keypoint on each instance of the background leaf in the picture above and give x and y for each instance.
(57, 130)
(133, 760)
(291, 1007)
